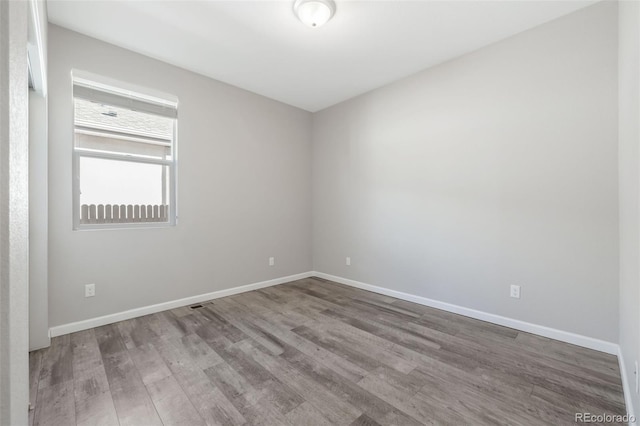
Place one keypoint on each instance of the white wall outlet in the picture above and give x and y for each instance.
(89, 290)
(272, 261)
(636, 373)
(515, 291)
(348, 261)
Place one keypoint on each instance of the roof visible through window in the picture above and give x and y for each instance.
(96, 115)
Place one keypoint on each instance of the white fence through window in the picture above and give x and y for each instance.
(121, 213)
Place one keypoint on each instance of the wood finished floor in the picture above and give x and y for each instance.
(313, 352)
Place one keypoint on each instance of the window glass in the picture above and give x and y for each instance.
(124, 163)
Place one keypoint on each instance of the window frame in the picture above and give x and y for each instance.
(78, 153)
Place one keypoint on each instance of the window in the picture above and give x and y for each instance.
(124, 157)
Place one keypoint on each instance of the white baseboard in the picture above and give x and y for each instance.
(564, 336)
(60, 330)
(626, 388)
(552, 333)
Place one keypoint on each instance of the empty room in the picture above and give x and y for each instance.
(319, 212)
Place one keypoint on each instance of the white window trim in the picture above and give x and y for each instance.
(141, 93)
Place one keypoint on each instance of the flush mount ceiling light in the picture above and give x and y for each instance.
(314, 13)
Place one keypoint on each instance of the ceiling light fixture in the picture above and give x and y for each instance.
(314, 13)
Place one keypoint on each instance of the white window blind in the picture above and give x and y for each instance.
(101, 93)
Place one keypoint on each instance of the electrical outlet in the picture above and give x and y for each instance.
(272, 261)
(515, 291)
(89, 290)
(637, 378)
(348, 261)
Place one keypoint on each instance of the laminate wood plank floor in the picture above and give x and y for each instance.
(314, 352)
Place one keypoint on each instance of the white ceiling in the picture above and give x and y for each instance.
(260, 46)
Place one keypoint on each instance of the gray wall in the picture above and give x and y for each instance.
(243, 192)
(629, 164)
(38, 223)
(493, 169)
(14, 215)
